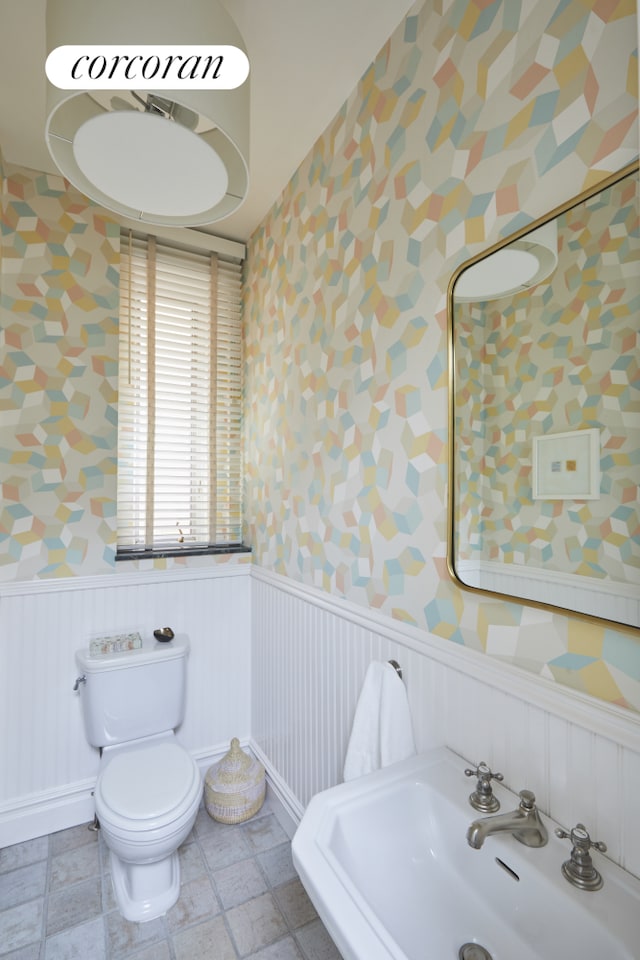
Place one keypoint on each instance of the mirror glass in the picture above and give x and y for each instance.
(545, 410)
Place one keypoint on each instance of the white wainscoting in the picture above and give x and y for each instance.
(47, 770)
(310, 652)
(601, 598)
(306, 664)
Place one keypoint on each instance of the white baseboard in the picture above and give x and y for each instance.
(44, 813)
(207, 757)
(286, 807)
(71, 805)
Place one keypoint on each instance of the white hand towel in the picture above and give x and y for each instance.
(382, 732)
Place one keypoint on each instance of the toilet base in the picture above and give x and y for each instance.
(145, 891)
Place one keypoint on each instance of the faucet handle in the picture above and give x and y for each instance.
(527, 799)
(482, 798)
(580, 838)
(579, 869)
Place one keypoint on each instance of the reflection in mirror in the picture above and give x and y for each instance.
(545, 410)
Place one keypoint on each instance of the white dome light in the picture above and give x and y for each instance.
(171, 157)
(514, 267)
(165, 170)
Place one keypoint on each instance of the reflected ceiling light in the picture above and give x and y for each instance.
(178, 158)
(515, 267)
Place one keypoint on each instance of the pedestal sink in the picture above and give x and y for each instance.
(385, 860)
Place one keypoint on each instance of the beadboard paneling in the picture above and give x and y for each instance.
(308, 658)
(310, 653)
(619, 602)
(45, 757)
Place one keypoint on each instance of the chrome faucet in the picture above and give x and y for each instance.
(524, 823)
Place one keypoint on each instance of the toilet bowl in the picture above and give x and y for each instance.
(149, 787)
(147, 798)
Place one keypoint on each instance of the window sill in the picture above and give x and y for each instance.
(182, 552)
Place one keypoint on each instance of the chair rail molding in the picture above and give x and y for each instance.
(605, 719)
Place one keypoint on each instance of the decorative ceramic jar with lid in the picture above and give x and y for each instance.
(234, 788)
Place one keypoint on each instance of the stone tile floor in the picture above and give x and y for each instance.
(240, 897)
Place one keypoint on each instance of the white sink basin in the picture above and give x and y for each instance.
(387, 865)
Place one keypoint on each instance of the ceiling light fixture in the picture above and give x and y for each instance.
(515, 267)
(172, 157)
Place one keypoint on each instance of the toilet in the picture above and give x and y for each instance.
(149, 787)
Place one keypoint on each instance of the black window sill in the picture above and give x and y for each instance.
(182, 552)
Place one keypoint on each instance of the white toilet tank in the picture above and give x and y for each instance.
(133, 694)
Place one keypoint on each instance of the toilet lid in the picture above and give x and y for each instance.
(149, 781)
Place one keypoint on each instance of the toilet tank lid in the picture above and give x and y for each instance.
(151, 651)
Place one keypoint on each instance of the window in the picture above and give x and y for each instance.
(179, 411)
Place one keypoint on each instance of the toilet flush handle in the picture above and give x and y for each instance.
(79, 680)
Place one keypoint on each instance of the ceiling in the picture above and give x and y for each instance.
(306, 57)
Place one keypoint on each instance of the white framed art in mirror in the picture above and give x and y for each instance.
(566, 466)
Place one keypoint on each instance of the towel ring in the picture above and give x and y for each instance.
(396, 666)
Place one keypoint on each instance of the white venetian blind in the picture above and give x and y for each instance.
(179, 451)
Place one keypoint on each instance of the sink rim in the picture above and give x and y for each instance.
(352, 922)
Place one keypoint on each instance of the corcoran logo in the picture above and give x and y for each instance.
(145, 67)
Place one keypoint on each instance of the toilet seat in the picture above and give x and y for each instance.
(148, 787)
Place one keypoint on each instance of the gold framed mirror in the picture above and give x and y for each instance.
(544, 410)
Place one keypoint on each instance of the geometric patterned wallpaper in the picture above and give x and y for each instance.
(474, 120)
(58, 380)
(561, 356)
